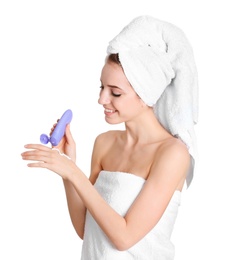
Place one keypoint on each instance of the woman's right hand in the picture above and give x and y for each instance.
(67, 144)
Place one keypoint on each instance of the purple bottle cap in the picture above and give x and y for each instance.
(44, 139)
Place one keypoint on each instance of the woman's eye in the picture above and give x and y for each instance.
(112, 92)
(115, 94)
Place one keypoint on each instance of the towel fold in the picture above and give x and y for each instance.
(158, 61)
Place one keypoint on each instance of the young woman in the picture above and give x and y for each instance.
(127, 207)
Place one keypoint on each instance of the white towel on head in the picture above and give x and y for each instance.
(158, 61)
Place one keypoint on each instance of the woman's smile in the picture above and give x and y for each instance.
(109, 112)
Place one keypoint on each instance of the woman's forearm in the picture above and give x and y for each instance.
(112, 224)
(76, 207)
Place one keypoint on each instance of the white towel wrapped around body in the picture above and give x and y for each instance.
(158, 61)
(119, 190)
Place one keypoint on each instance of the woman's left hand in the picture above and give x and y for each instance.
(52, 159)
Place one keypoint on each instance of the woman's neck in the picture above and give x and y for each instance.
(145, 129)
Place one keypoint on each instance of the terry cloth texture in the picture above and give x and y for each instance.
(119, 190)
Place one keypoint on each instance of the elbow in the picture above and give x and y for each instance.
(79, 231)
(80, 234)
(122, 247)
(123, 244)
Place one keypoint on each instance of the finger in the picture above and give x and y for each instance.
(52, 129)
(46, 155)
(36, 156)
(37, 165)
(37, 146)
(43, 151)
(68, 134)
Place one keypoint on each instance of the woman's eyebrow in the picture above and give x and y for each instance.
(110, 86)
(113, 86)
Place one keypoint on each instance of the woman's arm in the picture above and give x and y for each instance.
(76, 207)
(168, 170)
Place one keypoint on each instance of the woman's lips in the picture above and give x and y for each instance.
(109, 112)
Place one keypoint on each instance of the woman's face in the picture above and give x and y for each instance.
(120, 101)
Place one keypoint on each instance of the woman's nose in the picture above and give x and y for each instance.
(103, 98)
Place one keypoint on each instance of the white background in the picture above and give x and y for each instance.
(51, 54)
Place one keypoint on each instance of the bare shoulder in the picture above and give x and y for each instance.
(173, 148)
(102, 145)
(103, 142)
(107, 137)
(171, 162)
(110, 133)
